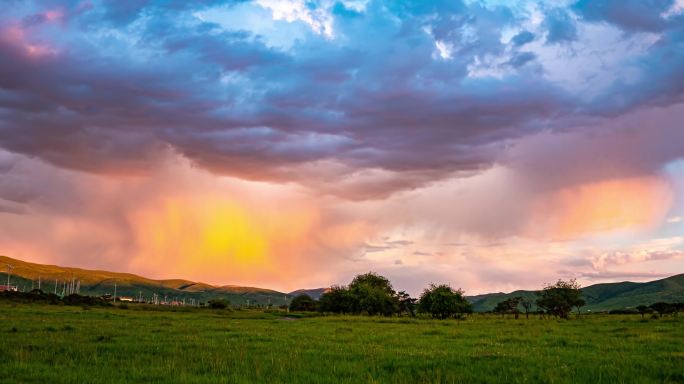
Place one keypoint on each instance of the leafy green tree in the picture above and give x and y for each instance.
(442, 301)
(664, 308)
(372, 280)
(368, 293)
(500, 308)
(374, 294)
(304, 302)
(560, 298)
(407, 304)
(527, 305)
(509, 305)
(338, 299)
(374, 301)
(643, 309)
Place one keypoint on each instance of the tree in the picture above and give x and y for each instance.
(559, 299)
(664, 308)
(368, 293)
(500, 308)
(643, 309)
(338, 299)
(374, 301)
(441, 301)
(219, 303)
(303, 302)
(372, 280)
(527, 305)
(374, 294)
(509, 305)
(407, 304)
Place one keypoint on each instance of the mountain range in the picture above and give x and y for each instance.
(52, 278)
(601, 297)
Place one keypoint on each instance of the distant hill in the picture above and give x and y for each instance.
(315, 293)
(601, 297)
(93, 282)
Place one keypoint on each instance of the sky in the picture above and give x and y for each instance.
(490, 145)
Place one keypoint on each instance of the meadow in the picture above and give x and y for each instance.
(62, 344)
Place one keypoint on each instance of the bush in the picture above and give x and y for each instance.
(624, 311)
(86, 301)
(219, 303)
(35, 296)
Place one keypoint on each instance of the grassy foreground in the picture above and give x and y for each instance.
(59, 344)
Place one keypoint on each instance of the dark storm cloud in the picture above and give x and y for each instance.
(150, 78)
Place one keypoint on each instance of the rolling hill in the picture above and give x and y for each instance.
(601, 297)
(26, 275)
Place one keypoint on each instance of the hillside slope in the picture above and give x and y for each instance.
(94, 282)
(607, 296)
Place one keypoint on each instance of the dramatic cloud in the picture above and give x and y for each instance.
(256, 141)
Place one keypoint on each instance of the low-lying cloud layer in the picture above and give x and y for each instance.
(291, 143)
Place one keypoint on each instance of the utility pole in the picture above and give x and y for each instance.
(10, 267)
(38, 282)
(55, 286)
(115, 292)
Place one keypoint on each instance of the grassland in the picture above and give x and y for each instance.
(60, 344)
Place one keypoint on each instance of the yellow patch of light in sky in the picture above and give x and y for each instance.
(196, 235)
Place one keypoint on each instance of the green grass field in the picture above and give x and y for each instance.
(60, 344)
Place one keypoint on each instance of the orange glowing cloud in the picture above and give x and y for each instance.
(218, 239)
(625, 204)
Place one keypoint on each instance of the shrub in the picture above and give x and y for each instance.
(219, 303)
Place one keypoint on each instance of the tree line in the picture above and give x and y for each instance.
(372, 294)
